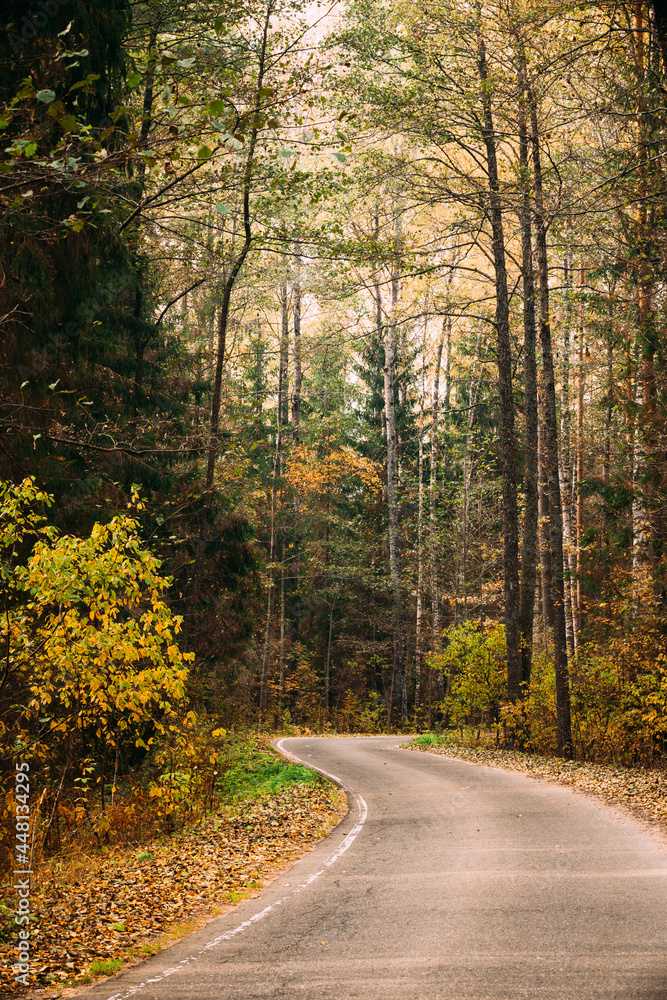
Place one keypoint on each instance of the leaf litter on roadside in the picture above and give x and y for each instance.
(643, 792)
(109, 907)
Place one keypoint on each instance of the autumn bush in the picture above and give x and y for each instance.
(618, 695)
(93, 674)
(473, 662)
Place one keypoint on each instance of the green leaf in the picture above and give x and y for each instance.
(186, 63)
(204, 153)
(30, 149)
(134, 79)
(340, 156)
(68, 123)
(46, 96)
(217, 108)
(222, 209)
(286, 152)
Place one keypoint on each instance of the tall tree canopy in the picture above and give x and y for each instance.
(358, 311)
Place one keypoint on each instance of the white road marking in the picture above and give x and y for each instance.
(228, 935)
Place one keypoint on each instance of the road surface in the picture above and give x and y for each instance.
(446, 881)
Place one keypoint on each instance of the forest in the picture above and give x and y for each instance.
(333, 387)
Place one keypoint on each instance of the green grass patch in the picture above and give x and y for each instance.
(432, 740)
(250, 771)
(105, 966)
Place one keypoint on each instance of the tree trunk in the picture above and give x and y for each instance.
(546, 573)
(563, 720)
(566, 471)
(268, 637)
(277, 473)
(504, 350)
(283, 664)
(447, 333)
(642, 529)
(579, 524)
(283, 418)
(609, 411)
(296, 441)
(467, 469)
(298, 374)
(419, 625)
(327, 669)
(530, 513)
(398, 674)
(283, 387)
(432, 497)
(148, 96)
(238, 261)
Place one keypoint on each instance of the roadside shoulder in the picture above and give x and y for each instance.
(642, 792)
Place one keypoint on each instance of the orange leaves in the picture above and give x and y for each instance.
(94, 910)
(314, 477)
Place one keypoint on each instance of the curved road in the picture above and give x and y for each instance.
(446, 881)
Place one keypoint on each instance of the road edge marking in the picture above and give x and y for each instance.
(347, 842)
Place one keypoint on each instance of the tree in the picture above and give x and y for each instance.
(88, 643)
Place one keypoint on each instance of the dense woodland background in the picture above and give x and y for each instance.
(333, 385)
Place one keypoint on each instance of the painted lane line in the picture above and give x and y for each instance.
(228, 935)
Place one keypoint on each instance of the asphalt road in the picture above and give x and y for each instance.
(447, 881)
